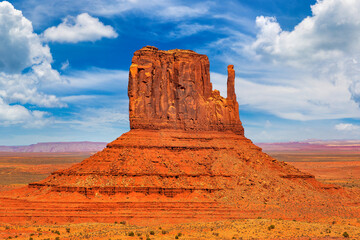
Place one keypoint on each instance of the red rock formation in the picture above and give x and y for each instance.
(186, 145)
(172, 90)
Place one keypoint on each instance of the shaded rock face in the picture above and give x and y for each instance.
(172, 90)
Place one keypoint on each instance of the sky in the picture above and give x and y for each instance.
(64, 64)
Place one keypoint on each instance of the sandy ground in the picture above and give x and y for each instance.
(343, 169)
(235, 229)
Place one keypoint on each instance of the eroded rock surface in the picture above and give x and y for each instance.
(185, 158)
(172, 90)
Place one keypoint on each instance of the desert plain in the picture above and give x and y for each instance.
(335, 167)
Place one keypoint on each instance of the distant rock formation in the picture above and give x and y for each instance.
(56, 147)
(313, 145)
(172, 90)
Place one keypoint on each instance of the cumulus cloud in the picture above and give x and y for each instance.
(312, 71)
(81, 28)
(20, 47)
(346, 127)
(17, 114)
(25, 64)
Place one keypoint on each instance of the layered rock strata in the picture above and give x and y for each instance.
(186, 145)
(184, 136)
(172, 90)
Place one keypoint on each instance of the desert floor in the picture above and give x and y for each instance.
(342, 168)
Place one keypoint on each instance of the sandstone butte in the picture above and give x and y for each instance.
(185, 158)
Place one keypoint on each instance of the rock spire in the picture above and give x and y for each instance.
(172, 90)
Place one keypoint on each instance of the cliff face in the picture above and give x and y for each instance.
(172, 90)
(160, 161)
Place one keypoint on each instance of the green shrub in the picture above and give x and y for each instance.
(68, 230)
(271, 227)
(152, 233)
(131, 234)
(176, 237)
(345, 235)
(164, 232)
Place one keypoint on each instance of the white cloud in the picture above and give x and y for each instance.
(22, 88)
(184, 30)
(180, 11)
(17, 114)
(100, 119)
(21, 50)
(92, 79)
(20, 47)
(346, 127)
(65, 65)
(82, 28)
(155, 9)
(311, 72)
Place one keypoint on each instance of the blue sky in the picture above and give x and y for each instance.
(64, 64)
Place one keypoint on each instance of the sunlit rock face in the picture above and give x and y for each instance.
(172, 90)
(186, 153)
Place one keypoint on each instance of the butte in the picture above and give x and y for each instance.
(185, 158)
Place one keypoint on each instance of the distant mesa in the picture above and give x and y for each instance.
(313, 146)
(185, 158)
(55, 147)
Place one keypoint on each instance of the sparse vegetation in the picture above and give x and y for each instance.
(271, 227)
(234, 229)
